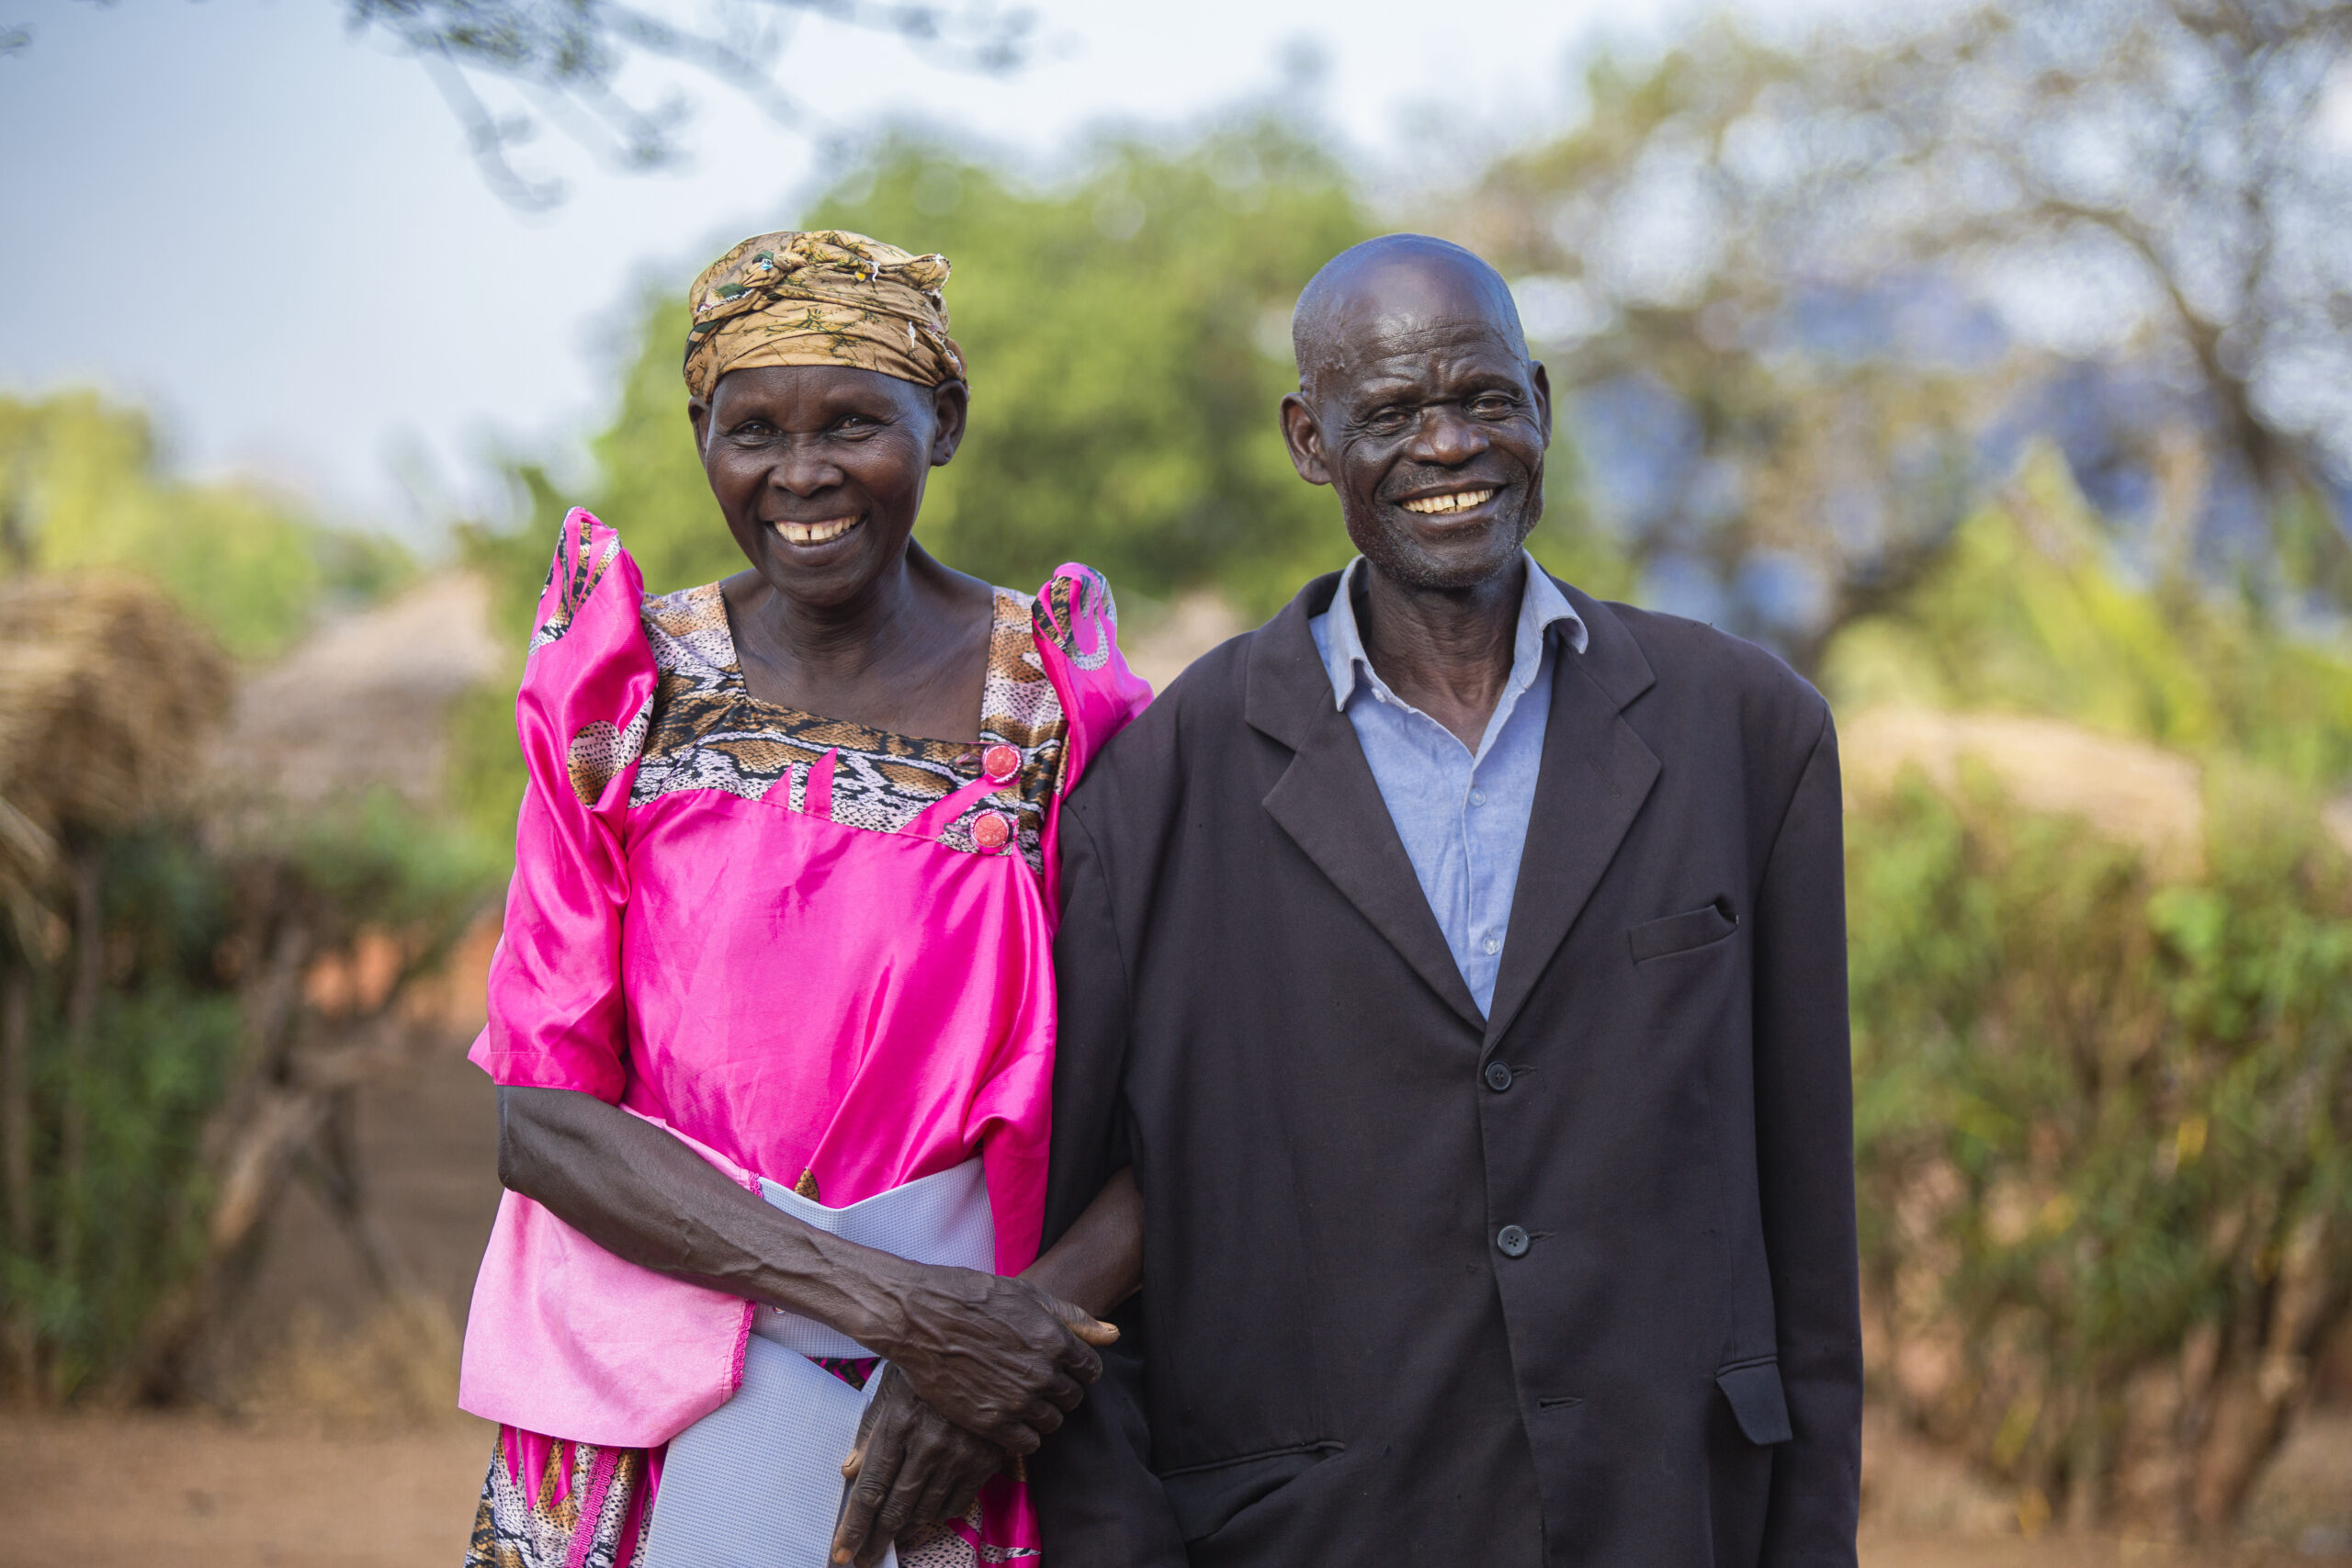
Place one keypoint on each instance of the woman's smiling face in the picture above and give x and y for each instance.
(820, 469)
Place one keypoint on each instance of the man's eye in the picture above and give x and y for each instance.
(1388, 419)
(1494, 405)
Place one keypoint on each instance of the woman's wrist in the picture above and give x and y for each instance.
(858, 1292)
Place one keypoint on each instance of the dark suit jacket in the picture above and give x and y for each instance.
(1337, 1358)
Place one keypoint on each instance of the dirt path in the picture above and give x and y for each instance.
(105, 1490)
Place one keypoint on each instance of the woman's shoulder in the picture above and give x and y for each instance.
(1075, 625)
(590, 640)
(1073, 611)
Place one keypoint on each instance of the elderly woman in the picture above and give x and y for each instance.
(775, 977)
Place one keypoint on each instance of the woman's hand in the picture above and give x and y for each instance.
(912, 1469)
(1002, 1358)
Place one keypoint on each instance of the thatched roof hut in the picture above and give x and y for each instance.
(107, 692)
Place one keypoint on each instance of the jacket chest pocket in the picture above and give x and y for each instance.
(1702, 926)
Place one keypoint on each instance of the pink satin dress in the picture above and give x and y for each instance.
(817, 952)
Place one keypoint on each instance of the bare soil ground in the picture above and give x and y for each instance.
(99, 1490)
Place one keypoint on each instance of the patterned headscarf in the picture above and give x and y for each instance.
(823, 298)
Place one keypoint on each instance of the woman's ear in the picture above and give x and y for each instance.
(950, 403)
(698, 416)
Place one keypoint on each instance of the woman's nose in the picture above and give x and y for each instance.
(803, 470)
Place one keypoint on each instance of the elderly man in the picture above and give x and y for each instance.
(1459, 962)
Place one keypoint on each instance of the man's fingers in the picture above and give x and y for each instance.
(1084, 1324)
(1078, 1359)
(1063, 1393)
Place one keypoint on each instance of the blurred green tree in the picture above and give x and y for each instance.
(1800, 301)
(1129, 338)
(82, 485)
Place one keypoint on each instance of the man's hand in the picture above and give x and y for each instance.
(913, 1468)
(1005, 1359)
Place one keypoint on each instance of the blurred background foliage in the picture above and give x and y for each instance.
(82, 486)
(1987, 361)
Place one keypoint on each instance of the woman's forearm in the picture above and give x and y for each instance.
(641, 1194)
(1098, 1263)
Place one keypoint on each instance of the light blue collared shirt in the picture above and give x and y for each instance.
(1462, 814)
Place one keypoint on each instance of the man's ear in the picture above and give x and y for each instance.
(951, 405)
(698, 416)
(1304, 437)
(1543, 383)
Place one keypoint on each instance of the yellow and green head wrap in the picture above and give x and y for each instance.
(826, 297)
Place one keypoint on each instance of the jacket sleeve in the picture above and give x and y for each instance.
(1099, 1505)
(1804, 1141)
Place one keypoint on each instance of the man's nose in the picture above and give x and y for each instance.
(1448, 438)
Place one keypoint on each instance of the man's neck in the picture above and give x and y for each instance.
(1446, 651)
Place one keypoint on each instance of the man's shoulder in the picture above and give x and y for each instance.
(1705, 675)
(1195, 716)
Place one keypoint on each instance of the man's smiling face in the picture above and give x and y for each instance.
(1419, 404)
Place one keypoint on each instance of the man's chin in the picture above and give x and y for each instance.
(1442, 565)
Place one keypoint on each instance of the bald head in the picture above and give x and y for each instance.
(1417, 403)
(1413, 282)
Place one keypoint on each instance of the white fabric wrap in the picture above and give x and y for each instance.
(757, 1482)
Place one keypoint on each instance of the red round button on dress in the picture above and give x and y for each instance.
(991, 829)
(1001, 762)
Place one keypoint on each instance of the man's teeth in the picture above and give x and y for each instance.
(817, 532)
(1460, 501)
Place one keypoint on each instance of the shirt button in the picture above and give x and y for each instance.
(1493, 944)
(991, 831)
(1511, 1242)
(1001, 762)
(1477, 797)
(1498, 1076)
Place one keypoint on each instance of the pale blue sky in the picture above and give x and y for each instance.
(269, 232)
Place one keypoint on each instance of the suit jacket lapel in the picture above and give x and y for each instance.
(1595, 775)
(1329, 803)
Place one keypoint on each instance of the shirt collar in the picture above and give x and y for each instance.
(1541, 604)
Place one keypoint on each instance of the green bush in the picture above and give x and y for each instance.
(189, 924)
(2098, 1137)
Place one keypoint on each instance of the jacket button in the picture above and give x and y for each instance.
(1511, 1242)
(1498, 1076)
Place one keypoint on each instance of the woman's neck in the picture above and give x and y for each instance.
(906, 655)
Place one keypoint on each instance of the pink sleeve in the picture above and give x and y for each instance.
(556, 1020)
(1077, 629)
(566, 1339)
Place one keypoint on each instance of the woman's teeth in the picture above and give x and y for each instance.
(817, 532)
(1460, 501)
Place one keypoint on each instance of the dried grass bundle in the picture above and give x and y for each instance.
(107, 692)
